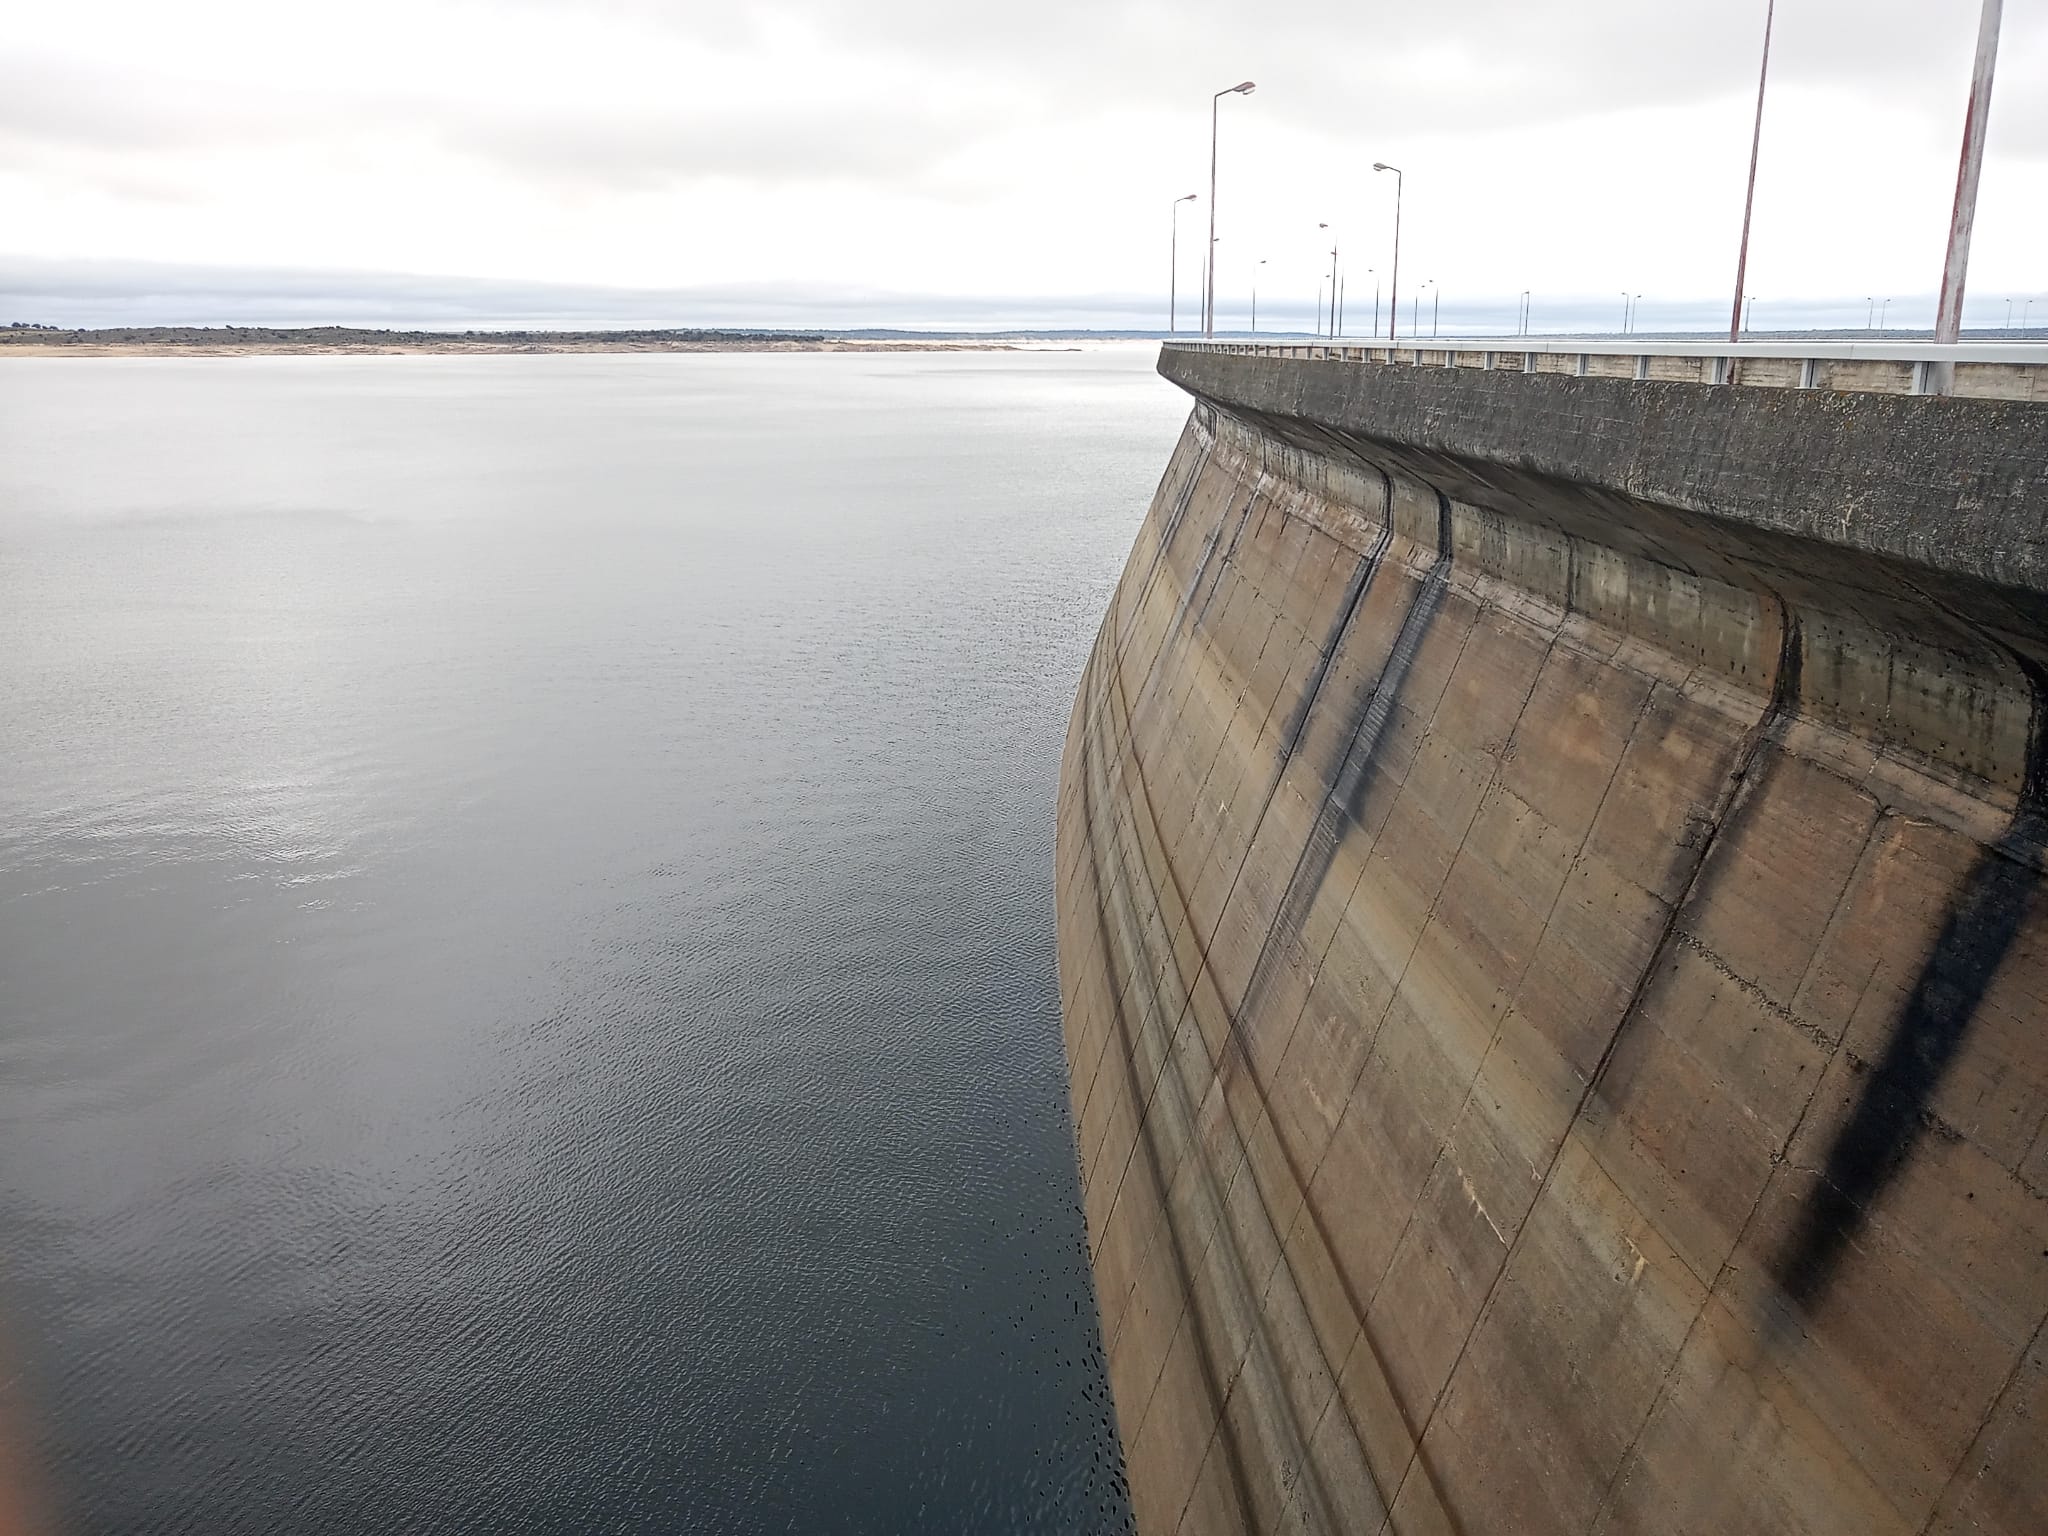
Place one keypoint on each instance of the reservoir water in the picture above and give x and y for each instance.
(527, 993)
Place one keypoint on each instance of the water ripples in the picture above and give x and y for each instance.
(525, 908)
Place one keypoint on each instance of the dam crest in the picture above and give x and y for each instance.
(1552, 946)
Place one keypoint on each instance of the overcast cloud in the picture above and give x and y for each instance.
(902, 161)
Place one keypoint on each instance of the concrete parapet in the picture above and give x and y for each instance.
(1553, 962)
(1982, 371)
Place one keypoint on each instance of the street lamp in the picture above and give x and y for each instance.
(1635, 300)
(1948, 321)
(1173, 280)
(1870, 319)
(1374, 275)
(1243, 88)
(1415, 317)
(1624, 311)
(1436, 310)
(1884, 309)
(1749, 318)
(1394, 281)
(1255, 294)
(1333, 283)
(1522, 320)
(1749, 198)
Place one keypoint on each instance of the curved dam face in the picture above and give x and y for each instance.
(1555, 963)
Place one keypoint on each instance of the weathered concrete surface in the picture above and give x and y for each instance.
(1553, 959)
(2001, 370)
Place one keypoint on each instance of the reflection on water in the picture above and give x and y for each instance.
(525, 917)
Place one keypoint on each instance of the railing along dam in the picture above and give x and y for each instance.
(1553, 946)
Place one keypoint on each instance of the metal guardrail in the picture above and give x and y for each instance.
(1975, 370)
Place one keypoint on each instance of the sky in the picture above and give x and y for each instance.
(938, 163)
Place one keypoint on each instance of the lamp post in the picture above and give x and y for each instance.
(1749, 318)
(1415, 317)
(1333, 282)
(1436, 311)
(1393, 281)
(1242, 88)
(1255, 294)
(1948, 321)
(1634, 304)
(1522, 320)
(1749, 198)
(1884, 309)
(1173, 267)
(1374, 275)
(1624, 312)
(1870, 319)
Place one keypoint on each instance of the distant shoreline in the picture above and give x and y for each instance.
(343, 341)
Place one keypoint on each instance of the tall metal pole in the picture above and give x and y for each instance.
(1333, 287)
(1436, 311)
(1948, 321)
(1375, 302)
(1209, 262)
(1255, 294)
(1756, 140)
(1326, 318)
(1340, 305)
(1394, 281)
(1209, 274)
(1173, 281)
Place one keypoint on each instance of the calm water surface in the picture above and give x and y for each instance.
(527, 990)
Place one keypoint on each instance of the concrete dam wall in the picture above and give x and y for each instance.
(1553, 958)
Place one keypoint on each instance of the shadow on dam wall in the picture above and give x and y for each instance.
(1553, 963)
